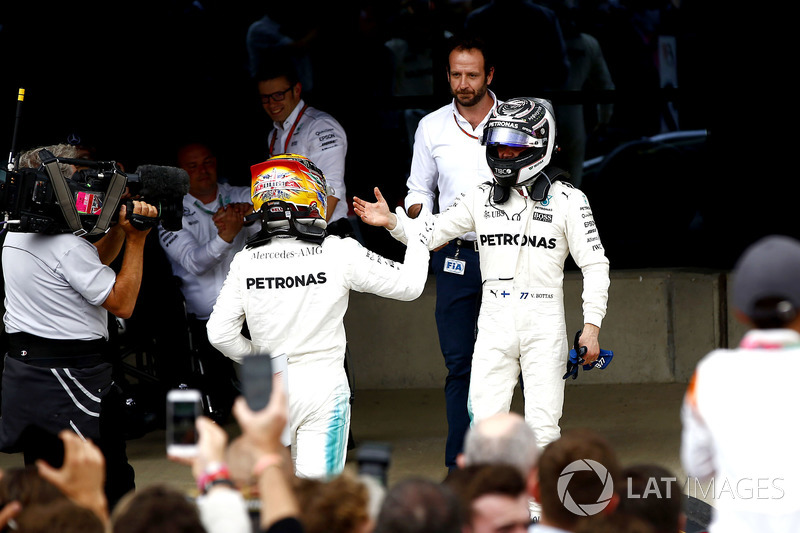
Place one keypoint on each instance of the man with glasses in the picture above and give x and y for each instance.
(305, 130)
(201, 253)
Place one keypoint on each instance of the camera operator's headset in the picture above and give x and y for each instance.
(64, 197)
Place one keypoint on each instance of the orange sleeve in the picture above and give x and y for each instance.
(691, 391)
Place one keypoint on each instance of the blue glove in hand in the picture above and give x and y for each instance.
(576, 359)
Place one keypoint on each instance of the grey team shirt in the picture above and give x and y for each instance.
(55, 286)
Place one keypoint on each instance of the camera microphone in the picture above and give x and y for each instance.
(163, 187)
(158, 181)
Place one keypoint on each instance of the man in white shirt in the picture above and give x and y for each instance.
(736, 432)
(201, 253)
(305, 130)
(528, 221)
(448, 157)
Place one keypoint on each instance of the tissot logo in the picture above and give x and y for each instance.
(287, 282)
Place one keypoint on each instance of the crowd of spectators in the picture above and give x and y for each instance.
(488, 495)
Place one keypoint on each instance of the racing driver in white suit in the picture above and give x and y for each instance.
(527, 221)
(291, 283)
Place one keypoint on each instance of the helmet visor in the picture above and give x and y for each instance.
(511, 137)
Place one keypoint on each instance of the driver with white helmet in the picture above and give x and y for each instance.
(527, 221)
(291, 283)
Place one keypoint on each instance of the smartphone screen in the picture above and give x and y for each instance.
(183, 408)
(257, 380)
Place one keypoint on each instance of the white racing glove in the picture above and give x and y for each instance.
(420, 228)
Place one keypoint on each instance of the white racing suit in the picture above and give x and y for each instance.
(294, 296)
(737, 434)
(521, 327)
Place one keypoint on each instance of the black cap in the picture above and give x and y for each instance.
(769, 268)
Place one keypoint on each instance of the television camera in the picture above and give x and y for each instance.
(44, 200)
(83, 197)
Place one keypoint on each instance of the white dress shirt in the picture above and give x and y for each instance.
(448, 155)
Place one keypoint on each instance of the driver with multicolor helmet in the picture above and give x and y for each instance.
(291, 284)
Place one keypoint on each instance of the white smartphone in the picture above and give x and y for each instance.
(183, 408)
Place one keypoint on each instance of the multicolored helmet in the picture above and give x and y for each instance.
(289, 186)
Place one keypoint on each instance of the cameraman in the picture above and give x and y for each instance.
(57, 374)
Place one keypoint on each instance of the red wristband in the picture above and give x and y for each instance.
(209, 477)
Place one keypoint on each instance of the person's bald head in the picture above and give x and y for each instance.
(504, 438)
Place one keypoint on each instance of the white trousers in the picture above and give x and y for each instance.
(319, 421)
(521, 331)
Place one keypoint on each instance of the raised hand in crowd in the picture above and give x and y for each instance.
(261, 433)
(82, 476)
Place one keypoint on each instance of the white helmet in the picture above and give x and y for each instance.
(521, 122)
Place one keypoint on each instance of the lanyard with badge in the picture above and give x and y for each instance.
(454, 265)
(288, 137)
(203, 208)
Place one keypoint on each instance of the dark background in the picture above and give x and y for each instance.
(137, 79)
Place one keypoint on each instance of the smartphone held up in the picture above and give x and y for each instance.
(183, 408)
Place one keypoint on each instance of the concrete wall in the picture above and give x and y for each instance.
(659, 324)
